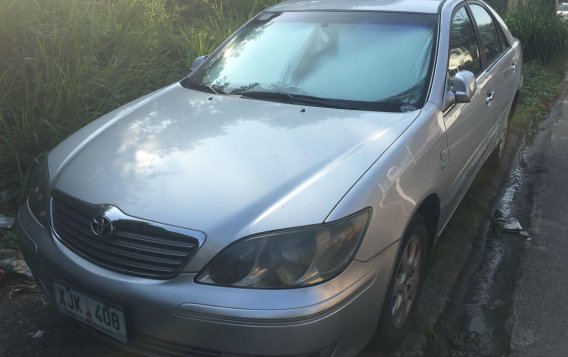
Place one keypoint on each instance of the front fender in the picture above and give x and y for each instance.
(400, 180)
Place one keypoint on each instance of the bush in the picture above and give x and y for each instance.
(541, 32)
(65, 63)
(499, 5)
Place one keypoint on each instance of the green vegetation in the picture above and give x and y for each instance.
(542, 32)
(8, 240)
(543, 83)
(499, 5)
(65, 63)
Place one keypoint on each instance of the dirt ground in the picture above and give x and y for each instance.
(31, 326)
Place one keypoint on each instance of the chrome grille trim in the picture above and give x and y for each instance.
(138, 247)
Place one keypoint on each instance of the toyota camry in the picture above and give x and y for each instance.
(283, 198)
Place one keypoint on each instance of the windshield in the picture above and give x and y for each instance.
(355, 60)
(563, 7)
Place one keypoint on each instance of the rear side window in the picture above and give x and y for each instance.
(464, 51)
(504, 43)
(490, 37)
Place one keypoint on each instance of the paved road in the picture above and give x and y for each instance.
(540, 311)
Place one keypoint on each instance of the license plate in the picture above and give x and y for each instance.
(94, 312)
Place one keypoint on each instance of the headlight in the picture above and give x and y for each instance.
(289, 258)
(38, 197)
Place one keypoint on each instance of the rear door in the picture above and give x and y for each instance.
(500, 63)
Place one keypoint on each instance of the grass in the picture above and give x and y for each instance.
(8, 240)
(543, 83)
(65, 63)
(541, 31)
(429, 331)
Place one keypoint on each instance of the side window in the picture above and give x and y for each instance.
(464, 51)
(488, 32)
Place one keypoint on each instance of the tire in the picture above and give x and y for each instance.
(404, 288)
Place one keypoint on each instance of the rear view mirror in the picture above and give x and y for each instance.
(197, 62)
(464, 86)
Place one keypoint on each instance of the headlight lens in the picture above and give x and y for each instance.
(291, 258)
(38, 197)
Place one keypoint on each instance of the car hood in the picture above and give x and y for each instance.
(223, 165)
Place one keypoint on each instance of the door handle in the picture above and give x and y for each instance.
(513, 67)
(489, 98)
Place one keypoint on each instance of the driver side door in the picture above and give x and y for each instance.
(466, 123)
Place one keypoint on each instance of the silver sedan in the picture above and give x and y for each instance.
(284, 197)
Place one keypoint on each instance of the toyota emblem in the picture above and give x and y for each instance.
(102, 227)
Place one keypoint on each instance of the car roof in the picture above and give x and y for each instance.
(415, 6)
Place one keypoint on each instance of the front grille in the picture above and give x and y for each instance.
(136, 248)
(157, 347)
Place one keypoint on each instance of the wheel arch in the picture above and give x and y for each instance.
(430, 209)
(514, 105)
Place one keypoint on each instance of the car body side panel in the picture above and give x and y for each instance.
(396, 185)
(506, 81)
(467, 126)
(497, 78)
(459, 184)
(505, 73)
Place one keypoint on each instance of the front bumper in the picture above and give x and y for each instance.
(195, 319)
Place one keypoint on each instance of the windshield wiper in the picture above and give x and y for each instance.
(203, 88)
(407, 93)
(297, 99)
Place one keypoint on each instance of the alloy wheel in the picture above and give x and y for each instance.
(406, 282)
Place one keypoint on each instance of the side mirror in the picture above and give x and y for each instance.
(464, 86)
(197, 62)
(449, 99)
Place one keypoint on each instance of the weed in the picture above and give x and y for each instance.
(65, 63)
(8, 240)
(541, 31)
(542, 84)
(429, 331)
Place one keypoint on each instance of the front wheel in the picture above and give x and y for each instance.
(400, 301)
